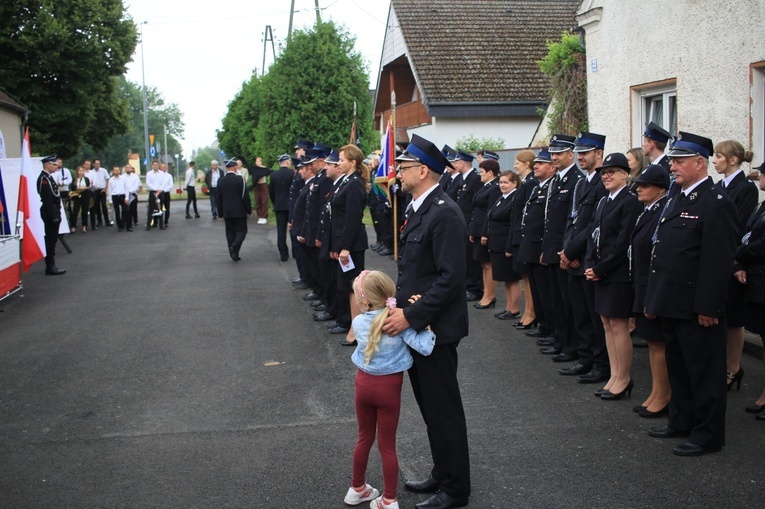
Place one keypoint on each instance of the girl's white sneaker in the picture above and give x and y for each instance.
(379, 504)
(354, 497)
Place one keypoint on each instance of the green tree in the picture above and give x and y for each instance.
(470, 143)
(204, 156)
(62, 59)
(308, 92)
(159, 114)
(564, 64)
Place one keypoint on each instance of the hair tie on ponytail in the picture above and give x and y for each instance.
(391, 303)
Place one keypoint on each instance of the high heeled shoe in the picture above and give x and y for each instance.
(652, 415)
(600, 392)
(638, 408)
(735, 379)
(611, 396)
(755, 409)
(490, 305)
(525, 326)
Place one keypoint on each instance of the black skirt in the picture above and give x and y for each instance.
(345, 279)
(502, 268)
(613, 300)
(650, 330)
(736, 306)
(755, 318)
(480, 252)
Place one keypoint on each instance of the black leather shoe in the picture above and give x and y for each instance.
(386, 251)
(338, 330)
(296, 280)
(576, 369)
(471, 296)
(545, 341)
(760, 417)
(54, 271)
(323, 317)
(332, 325)
(593, 377)
(754, 409)
(506, 315)
(428, 485)
(665, 432)
(300, 286)
(320, 308)
(565, 357)
(689, 449)
(311, 296)
(343, 342)
(442, 501)
(550, 350)
(537, 334)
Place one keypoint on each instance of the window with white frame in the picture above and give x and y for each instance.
(758, 113)
(660, 106)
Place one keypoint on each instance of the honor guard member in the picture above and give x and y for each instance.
(155, 184)
(592, 366)
(687, 291)
(306, 173)
(430, 267)
(133, 186)
(298, 250)
(118, 192)
(279, 191)
(469, 184)
(50, 211)
(556, 299)
(655, 139)
(454, 179)
(532, 232)
(234, 207)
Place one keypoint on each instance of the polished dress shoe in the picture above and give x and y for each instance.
(323, 317)
(652, 415)
(339, 329)
(593, 377)
(320, 308)
(550, 350)
(376, 246)
(385, 251)
(545, 341)
(538, 334)
(755, 409)
(472, 296)
(429, 485)
(490, 305)
(54, 271)
(576, 369)
(506, 315)
(311, 296)
(315, 303)
(690, 449)
(565, 357)
(760, 417)
(442, 501)
(332, 325)
(300, 286)
(666, 432)
(613, 396)
(343, 342)
(525, 326)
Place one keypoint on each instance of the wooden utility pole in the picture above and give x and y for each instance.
(318, 15)
(292, 12)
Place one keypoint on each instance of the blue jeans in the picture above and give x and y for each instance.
(214, 202)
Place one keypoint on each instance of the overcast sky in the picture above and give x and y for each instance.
(198, 52)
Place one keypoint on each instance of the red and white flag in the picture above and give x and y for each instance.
(33, 232)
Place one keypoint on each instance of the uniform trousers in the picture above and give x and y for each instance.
(51, 237)
(328, 285)
(378, 405)
(591, 336)
(120, 211)
(474, 274)
(312, 272)
(298, 255)
(696, 363)
(535, 279)
(236, 231)
(435, 387)
(282, 218)
(556, 302)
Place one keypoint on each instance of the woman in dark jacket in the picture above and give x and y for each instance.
(524, 166)
(613, 222)
(751, 257)
(80, 196)
(484, 198)
(651, 188)
(498, 239)
(348, 233)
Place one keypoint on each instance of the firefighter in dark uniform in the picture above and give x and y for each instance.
(50, 211)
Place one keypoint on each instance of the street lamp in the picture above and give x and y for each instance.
(145, 114)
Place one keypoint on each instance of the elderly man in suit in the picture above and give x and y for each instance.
(431, 291)
(234, 207)
(687, 291)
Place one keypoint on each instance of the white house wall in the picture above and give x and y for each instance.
(516, 132)
(707, 47)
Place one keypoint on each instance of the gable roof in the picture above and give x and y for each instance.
(481, 51)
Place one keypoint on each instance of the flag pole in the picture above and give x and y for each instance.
(393, 157)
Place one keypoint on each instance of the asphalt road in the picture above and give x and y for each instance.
(159, 373)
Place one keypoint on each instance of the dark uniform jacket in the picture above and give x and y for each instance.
(317, 189)
(558, 207)
(640, 251)
(485, 197)
(299, 210)
(743, 193)
(751, 256)
(453, 186)
(347, 227)
(521, 198)
(295, 187)
(469, 185)
(499, 223)
(586, 197)
(50, 207)
(430, 265)
(279, 187)
(696, 239)
(233, 198)
(614, 221)
(533, 224)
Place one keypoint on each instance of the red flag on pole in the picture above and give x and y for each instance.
(33, 232)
